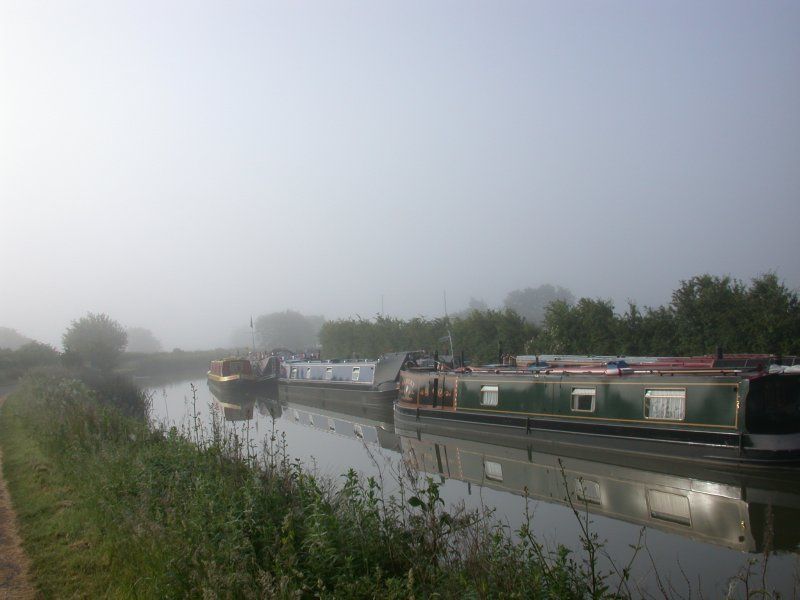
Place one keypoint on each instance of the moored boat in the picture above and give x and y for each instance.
(235, 376)
(742, 409)
(366, 382)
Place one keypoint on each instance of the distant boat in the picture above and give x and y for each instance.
(740, 409)
(237, 376)
(372, 382)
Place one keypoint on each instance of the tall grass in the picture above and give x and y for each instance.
(112, 506)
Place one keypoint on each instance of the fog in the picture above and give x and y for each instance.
(182, 166)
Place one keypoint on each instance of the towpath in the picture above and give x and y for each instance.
(14, 569)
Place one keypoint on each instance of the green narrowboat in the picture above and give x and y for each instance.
(743, 411)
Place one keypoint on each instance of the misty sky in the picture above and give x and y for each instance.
(183, 165)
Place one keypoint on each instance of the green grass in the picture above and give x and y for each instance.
(109, 507)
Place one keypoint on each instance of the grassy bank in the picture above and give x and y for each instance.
(110, 507)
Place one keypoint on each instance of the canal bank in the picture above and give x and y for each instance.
(14, 564)
(703, 526)
(112, 507)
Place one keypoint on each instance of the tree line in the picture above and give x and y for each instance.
(706, 312)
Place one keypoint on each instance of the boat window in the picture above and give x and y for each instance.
(669, 507)
(587, 490)
(583, 399)
(665, 404)
(493, 470)
(329, 373)
(293, 374)
(356, 373)
(489, 394)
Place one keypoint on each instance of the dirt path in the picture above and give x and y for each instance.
(14, 581)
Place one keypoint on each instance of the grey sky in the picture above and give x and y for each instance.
(181, 165)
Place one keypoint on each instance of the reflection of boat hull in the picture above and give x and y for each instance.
(724, 507)
(241, 410)
(370, 424)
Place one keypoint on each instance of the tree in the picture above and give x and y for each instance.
(142, 340)
(772, 319)
(288, 329)
(484, 335)
(36, 354)
(241, 337)
(95, 341)
(710, 312)
(532, 303)
(12, 339)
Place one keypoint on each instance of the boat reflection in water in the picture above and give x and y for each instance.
(722, 506)
(735, 509)
(370, 423)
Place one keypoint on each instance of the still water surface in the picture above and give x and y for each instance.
(700, 525)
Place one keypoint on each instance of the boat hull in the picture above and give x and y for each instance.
(341, 394)
(720, 417)
(232, 387)
(543, 434)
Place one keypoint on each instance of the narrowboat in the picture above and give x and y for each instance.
(369, 382)
(748, 511)
(235, 377)
(742, 409)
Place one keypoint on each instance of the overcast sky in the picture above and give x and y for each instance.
(183, 165)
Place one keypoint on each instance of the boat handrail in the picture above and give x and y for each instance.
(584, 371)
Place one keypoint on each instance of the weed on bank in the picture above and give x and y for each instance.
(111, 506)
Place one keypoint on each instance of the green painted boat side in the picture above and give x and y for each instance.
(711, 424)
(711, 403)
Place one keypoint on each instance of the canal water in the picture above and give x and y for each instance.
(700, 527)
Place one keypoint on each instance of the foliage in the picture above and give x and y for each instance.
(706, 313)
(95, 340)
(485, 335)
(532, 303)
(142, 340)
(111, 508)
(288, 329)
(11, 339)
(14, 363)
(481, 335)
(241, 337)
